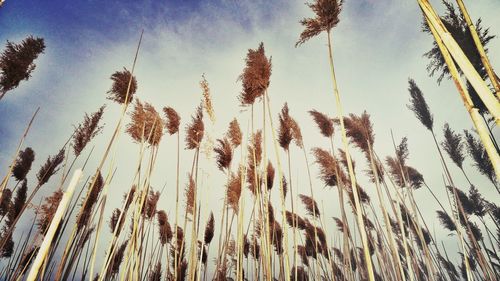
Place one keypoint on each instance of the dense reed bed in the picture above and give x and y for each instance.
(269, 225)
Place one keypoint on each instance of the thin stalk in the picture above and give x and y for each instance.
(362, 230)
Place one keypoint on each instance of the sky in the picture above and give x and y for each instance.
(378, 46)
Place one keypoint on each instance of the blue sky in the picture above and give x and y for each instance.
(378, 45)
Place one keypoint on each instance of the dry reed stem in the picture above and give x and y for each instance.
(45, 246)
(437, 31)
(480, 48)
(463, 62)
(351, 170)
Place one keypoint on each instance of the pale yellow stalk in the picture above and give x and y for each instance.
(49, 236)
(439, 33)
(480, 48)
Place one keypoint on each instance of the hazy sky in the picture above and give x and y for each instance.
(378, 45)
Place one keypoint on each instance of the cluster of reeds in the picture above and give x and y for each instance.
(381, 238)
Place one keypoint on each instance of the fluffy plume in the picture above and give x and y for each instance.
(285, 186)
(301, 274)
(146, 124)
(173, 120)
(296, 133)
(87, 130)
(395, 170)
(270, 175)
(415, 178)
(113, 222)
(129, 196)
(402, 152)
(255, 249)
(164, 229)
(223, 154)
(477, 201)
(480, 157)
(339, 223)
(254, 159)
(343, 161)
(47, 211)
(255, 76)
(195, 130)
(328, 166)
(285, 130)
(288, 130)
(120, 91)
(5, 201)
(117, 259)
(209, 229)
(453, 145)
(419, 106)
(446, 221)
(256, 148)
(359, 130)
(23, 163)
(17, 62)
(465, 202)
(400, 171)
(303, 253)
(8, 248)
(155, 274)
(190, 195)
(18, 203)
(92, 196)
(50, 167)
(246, 246)
(324, 123)
(327, 17)
(295, 220)
(207, 99)
(310, 205)
(234, 191)
(234, 133)
(363, 196)
(277, 237)
(151, 203)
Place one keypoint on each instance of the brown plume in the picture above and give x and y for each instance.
(120, 87)
(285, 129)
(209, 229)
(190, 195)
(234, 191)
(310, 205)
(324, 123)
(173, 120)
(255, 76)
(270, 175)
(328, 167)
(47, 211)
(327, 17)
(223, 154)
(234, 133)
(92, 196)
(419, 106)
(146, 124)
(195, 130)
(87, 130)
(23, 163)
(165, 231)
(50, 167)
(207, 99)
(359, 130)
